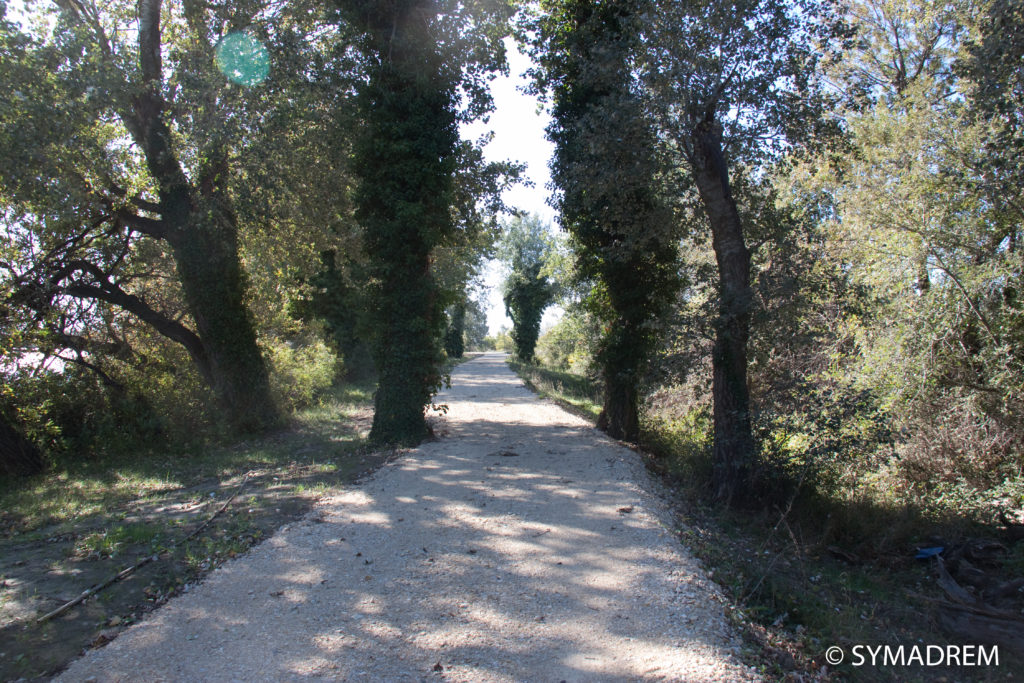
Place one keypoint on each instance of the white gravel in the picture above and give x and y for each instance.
(456, 563)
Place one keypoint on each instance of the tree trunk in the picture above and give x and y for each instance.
(206, 255)
(619, 416)
(454, 345)
(405, 355)
(18, 456)
(405, 162)
(733, 451)
(203, 233)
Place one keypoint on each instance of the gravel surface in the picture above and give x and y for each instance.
(522, 545)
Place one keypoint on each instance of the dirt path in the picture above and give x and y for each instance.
(522, 545)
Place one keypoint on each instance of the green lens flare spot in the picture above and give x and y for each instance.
(243, 59)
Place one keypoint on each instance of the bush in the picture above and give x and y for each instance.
(681, 443)
(301, 371)
(569, 344)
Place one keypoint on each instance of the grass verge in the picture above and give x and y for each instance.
(579, 395)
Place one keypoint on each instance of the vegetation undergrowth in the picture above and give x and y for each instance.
(84, 521)
(815, 570)
(576, 393)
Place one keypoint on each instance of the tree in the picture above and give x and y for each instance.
(333, 298)
(454, 341)
(418, 57)
(524, 248)
(924, 217)
(607, 171)
(732, 85)
(475, 325)
(137, 171)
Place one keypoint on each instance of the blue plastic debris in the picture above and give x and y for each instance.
(925, 553)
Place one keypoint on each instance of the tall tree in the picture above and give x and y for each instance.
(524, 248)
(418, 58)
(607, 170)
(733, 86)
(141, 156)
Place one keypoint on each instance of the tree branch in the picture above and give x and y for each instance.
(147, 226)
(105, 290)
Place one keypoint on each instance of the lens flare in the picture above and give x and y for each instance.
(243, 59)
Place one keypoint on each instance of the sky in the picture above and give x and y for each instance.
(518, 125)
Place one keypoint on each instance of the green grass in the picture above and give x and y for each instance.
(90, 487)
(577, 393)
(108, 543)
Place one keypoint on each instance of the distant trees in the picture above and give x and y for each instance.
(475, 326)
(608, 175)
(524, 248)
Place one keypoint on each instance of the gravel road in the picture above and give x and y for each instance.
(521, 545)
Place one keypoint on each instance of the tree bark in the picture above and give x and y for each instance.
(405, 354)
(733, 450)
(211, 276)
(405, 161)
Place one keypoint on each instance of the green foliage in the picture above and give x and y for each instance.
(333, 299)
(502, 341)
(570, 343)
(301, 371)
(918, 234)
(682, 443)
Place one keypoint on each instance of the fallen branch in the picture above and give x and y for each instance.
(141, 563)
(979, 622)
(953, 589)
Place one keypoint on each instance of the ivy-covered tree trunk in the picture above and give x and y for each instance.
(620, 417)
(607, 168)
(405, 161)
(206, 255)
(454, 344)
(733, 450)
(528, 294)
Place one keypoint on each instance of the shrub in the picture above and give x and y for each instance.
(300, 371)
